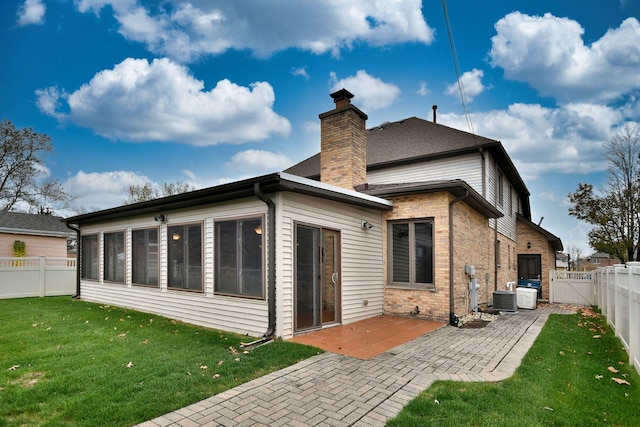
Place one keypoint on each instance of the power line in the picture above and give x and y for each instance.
(456, 66)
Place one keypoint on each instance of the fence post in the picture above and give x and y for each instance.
(634, 314)
(42, 276)
(611, 277)
(601, 288)
(595, 276)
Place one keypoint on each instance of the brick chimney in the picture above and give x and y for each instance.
(343, 143)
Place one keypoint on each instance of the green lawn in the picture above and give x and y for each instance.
(566, 379)
(66, 362)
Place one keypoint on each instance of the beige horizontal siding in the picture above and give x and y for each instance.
(467, 168)
(361, 251)
(230, 314)
(241, 315)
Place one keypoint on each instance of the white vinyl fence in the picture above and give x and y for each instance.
(571, 287)
(617, 292)
(37, 277)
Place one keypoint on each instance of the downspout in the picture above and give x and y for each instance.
(453, 319)
(496, 254)
(271, 262)
(79, 248)
(483, 161)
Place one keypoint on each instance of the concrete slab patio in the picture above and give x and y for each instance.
(336, 390)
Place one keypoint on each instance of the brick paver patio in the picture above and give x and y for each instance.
(337, 390)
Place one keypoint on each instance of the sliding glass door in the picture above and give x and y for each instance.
(317, 280)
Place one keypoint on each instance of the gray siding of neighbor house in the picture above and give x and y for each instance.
(361, 250)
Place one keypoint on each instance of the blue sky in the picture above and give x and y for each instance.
(207, 92)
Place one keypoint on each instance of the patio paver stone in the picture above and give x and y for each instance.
(338, 390)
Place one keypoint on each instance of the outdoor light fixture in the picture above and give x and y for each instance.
(160, 217)
(366, 225)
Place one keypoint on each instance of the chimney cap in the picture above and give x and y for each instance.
(341, 95)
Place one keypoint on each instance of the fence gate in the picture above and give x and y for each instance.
(571, 287)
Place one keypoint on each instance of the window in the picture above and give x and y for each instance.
(114, 257)
(144, 257)
(411, 254)
(185, 256)
(498, 254)
(239, 258)
(90, 264)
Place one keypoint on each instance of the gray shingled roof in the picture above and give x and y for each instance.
(415, 139)
(41, 225)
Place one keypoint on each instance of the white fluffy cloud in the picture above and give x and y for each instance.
(140, 101)
(471, 82)
(187, 30)
(538, 139)
(31, 12)
(370, 92)
(111, 184)
(549, 53)
(258, 162)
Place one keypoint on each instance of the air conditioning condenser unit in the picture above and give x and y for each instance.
(505, 301)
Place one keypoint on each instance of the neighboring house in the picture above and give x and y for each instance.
(385, 220)
(599, 259)
(562, 262)
(43, 235)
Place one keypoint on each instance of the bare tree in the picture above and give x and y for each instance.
(149, 191)
(21, 170)
(614, 211)
(575, 257)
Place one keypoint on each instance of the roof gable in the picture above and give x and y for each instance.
(554, 240)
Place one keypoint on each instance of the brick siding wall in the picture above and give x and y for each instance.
(507, 270)
(539, 245)
(473, 244)
(343, 148)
